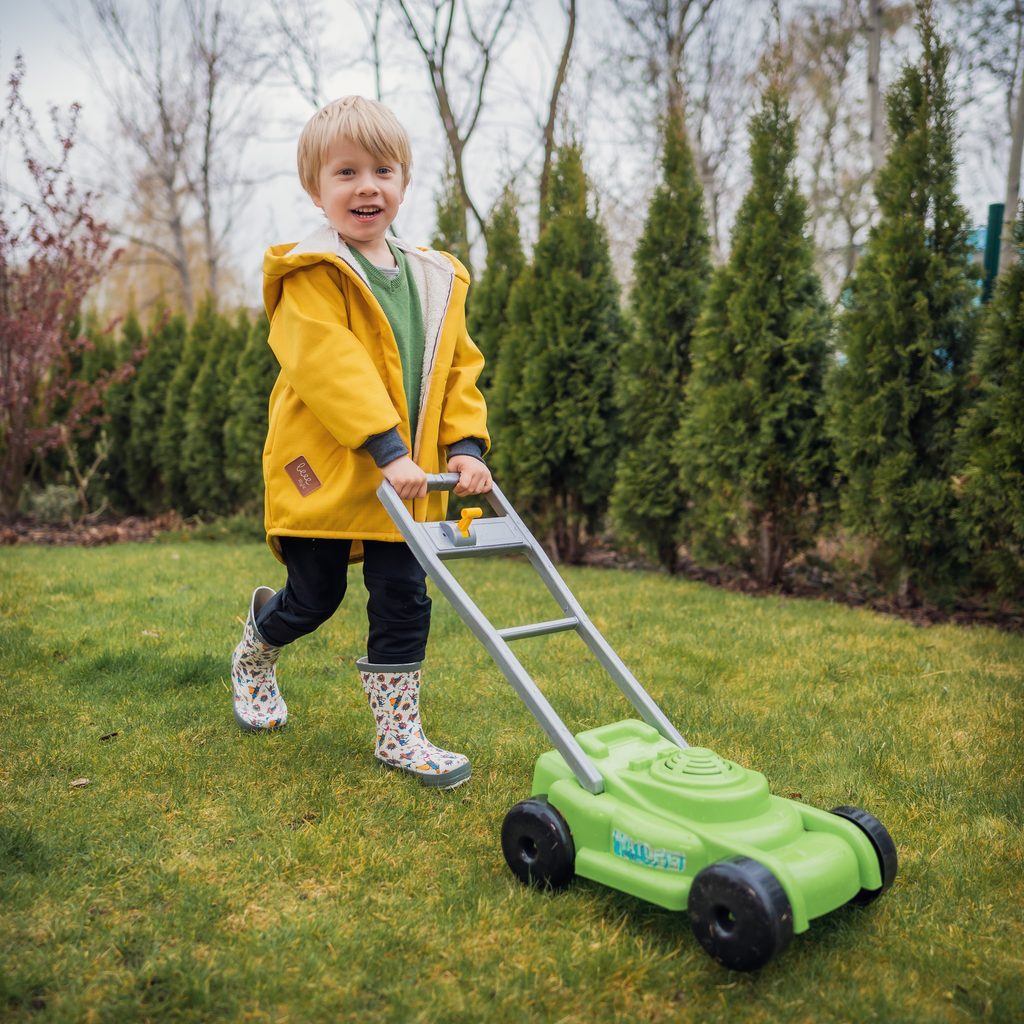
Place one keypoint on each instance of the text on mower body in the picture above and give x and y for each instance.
(642, 853)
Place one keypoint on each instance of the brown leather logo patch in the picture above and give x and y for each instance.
(302, 475)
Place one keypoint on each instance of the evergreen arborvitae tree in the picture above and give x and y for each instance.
(117, 428)
(488, 310)
(202, 452)
(164, 343)
(451, 233)
(671, 266)
(101, 352)
(558, 441)
(171, 440)
(246, 428)
(752, 449)
(990, 441)
(506, 382)
(906, 338)
(86, 386)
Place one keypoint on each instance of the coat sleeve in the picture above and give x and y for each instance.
(464, 413)
(327, 366)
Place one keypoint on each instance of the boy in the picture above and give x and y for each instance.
(378, 379)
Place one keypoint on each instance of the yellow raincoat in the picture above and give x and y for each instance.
(341, 383)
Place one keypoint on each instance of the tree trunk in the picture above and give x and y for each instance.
(565, 533)
(181, 262)
(556, 90)
(1007, 252)
(771, 552)
(876, 130)
(435, 55)
(206, 191)
(668, 556)
(378, 59)
(904, 588)
(12, 464)
(208, 44)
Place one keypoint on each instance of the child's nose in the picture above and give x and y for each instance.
(367, 184)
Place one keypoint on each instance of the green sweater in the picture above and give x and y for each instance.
(400, 301)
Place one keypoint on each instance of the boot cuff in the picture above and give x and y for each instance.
(368, 666)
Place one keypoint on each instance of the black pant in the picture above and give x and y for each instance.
(398, 608)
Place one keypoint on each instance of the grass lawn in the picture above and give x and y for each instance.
(205, 874)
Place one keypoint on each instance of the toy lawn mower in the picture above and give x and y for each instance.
(633, 806)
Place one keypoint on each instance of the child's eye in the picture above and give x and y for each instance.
(346, 172)
(385, 170)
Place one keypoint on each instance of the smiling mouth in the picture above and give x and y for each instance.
(366, 212)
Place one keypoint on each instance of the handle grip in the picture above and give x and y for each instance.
(441, 481)
(436, 482)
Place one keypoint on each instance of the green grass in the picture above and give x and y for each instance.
(204, 874)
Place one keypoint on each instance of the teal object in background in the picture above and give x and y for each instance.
(993, 238)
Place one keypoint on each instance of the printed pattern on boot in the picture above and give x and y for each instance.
(259, 706)
(393, 693)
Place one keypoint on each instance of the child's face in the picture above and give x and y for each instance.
(360, 194)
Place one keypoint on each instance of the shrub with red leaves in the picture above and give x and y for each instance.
(53, 251)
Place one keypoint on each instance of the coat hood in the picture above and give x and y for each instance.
(325, 245)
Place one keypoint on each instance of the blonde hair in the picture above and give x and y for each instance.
(366, 122)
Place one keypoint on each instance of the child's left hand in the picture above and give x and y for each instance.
(474, 476)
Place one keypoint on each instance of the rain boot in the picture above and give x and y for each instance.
(394, 695)
(259, 706)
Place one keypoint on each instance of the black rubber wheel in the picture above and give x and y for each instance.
(538, 845)
(740, 913)
(885, 849)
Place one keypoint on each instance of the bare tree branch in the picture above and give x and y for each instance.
(435, 50)
(373, 31)
(181, 86)
(299, 58)
(876, 121)
(556, 92)
(662, 30)
(989, 35)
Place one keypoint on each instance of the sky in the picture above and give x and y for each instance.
(280, 211)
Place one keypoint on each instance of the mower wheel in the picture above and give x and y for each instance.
(740, 913)
(538, 845)
(885, 849)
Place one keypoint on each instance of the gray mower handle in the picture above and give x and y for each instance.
(447, 481)
(441, 481)
(428, 552)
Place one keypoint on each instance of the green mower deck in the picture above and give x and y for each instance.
(666, 814)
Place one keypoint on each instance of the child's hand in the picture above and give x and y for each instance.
(408, 480)
(474, 476)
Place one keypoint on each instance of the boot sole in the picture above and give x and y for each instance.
(449, 780)
(246, 727)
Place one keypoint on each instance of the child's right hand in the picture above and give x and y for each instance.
(408, 480)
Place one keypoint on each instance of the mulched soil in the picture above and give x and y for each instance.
(89, 534)
(800, 579)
